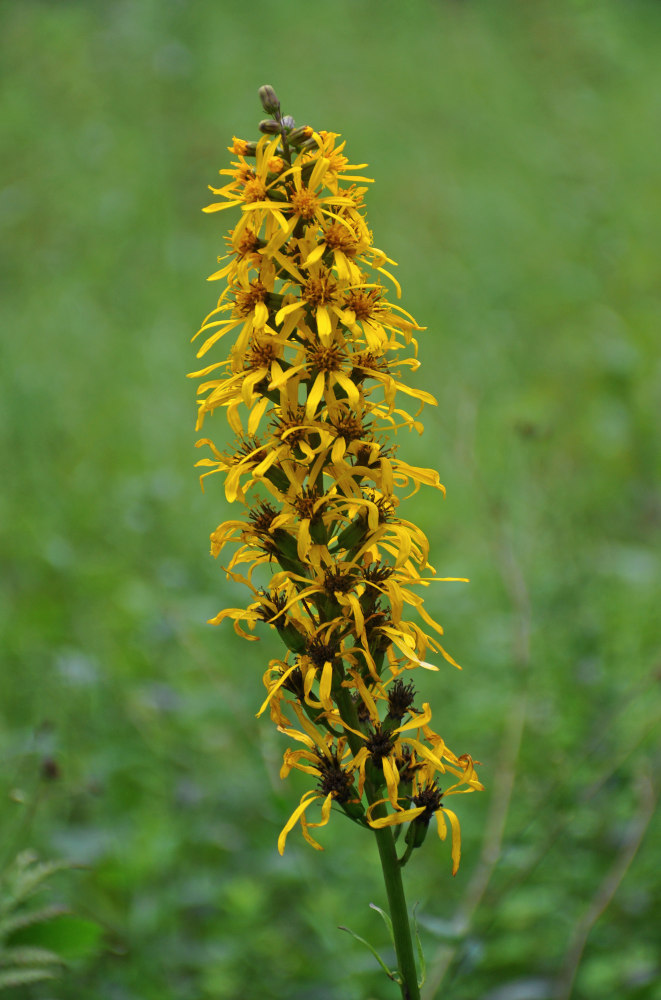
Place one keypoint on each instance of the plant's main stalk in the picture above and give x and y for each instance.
(310, 390)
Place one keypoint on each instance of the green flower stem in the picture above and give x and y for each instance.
(392, 874)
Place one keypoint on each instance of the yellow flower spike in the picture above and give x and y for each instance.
(318, 369)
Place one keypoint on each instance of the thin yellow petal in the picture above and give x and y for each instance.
(456, 838)
(307, 799)
(316, 392)
(325, 686)
(281, 680)
(395, 818)
(316, 255)
(418, 720)
(392, 780)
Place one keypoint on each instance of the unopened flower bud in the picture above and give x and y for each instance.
(242, 147)
(354, 533)
(50, 769)
(269, 127)
(269, 99)
(417, 831)
(299, 135)
(288, 121)
(291, 637)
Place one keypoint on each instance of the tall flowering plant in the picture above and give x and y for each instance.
(310, 389)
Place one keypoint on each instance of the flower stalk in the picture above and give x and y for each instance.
(401, 928)
(310, 389)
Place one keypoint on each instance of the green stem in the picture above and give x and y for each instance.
(392, 874)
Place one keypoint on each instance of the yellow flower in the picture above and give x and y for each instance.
(239, 146)
(249, 185)
(337, 162)
(332, 765)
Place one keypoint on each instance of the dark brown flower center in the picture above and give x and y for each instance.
(305, 203)
(333, 779)
(271, 606)
(364, 303)
(305, 502)
(326, 359)
(288, 427)
(260, 355)
(379, 744)
(430, 797)
(262, 516)
(321, 652)
(338, 237)
(247, 299)
(320, 289)
(337, 581)
(349, 427)
(400, 699)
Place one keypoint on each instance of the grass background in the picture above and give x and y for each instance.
(515, 148)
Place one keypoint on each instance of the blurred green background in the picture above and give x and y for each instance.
(515, 147)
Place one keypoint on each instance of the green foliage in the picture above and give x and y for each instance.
(513, 146)
(22, 963)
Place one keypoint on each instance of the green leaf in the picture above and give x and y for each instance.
(391, 975)
(28, 955)
(418, 944)
(71, 937)
(386, 919)
(11, 925)
(21, 977)
(26, 876)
